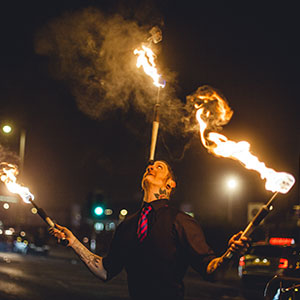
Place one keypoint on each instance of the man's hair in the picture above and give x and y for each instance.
(171, 173)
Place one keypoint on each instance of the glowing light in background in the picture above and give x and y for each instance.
(99, 226)
(98, 211)
(232, 183)
(108, 212)
(34, 210)
(124, 212)
(7, 129)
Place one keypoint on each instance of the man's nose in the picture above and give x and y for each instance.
(150, 168)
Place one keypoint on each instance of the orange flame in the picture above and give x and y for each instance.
(146, 59)
(213, 112)
(8, 175)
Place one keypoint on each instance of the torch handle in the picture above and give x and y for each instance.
(261, 214)
(48, 220)
(155, 127)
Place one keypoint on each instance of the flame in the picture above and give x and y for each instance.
(213, 112)
(8, 175)
(146, 59)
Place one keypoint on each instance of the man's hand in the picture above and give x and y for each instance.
(61, 233)
(214, 265)
(238, 244)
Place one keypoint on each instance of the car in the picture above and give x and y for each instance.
(264, 260)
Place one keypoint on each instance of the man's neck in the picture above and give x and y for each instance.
(155, 193)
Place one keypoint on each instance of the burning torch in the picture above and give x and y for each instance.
(146, 59)
(213, 112)
(8, 175)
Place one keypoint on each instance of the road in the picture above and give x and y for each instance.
(27, 277)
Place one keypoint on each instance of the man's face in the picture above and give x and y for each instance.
(156, 174)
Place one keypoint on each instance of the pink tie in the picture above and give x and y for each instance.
(143, 223)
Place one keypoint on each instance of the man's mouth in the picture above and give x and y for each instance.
(149, 174)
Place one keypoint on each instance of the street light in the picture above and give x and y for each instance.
(6, 129)
(124, 212)
(232, 185)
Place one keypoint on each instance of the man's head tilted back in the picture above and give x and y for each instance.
(159, 176)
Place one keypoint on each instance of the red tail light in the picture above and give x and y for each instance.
(281, 241)
(242, 261)
(283, 263)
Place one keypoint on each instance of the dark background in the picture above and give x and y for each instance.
(248, 51)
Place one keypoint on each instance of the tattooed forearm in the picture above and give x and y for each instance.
(92, 261)
(84, 254)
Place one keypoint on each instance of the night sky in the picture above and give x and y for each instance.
(249, 52)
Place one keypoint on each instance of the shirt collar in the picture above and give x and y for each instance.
(157, 204)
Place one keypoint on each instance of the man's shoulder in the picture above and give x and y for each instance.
(185, 219)
(181, 215)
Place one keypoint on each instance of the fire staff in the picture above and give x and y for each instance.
(155, 245)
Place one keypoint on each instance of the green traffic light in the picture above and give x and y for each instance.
(98, 210)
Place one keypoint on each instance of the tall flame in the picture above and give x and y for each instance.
(8, 175)
(213, 112)
(146, 59)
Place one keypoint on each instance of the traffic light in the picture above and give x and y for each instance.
(98, 210)
(96, 205)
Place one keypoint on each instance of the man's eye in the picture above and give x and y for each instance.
(159, 167)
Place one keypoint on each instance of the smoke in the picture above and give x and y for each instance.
(8, 156)
(93, 53)
(216, 111)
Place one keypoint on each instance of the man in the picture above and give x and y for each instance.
(154, 245)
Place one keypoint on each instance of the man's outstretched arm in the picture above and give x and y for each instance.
(91, 260)
(236, 245)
